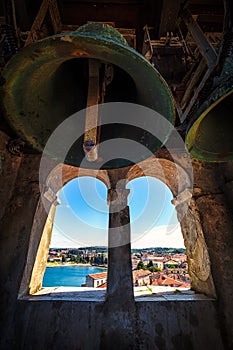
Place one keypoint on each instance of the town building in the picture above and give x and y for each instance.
(141, 278)
(96, 280)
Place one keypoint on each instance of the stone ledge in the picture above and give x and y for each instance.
(96, 295)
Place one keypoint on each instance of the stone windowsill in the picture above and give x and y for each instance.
(98, 295)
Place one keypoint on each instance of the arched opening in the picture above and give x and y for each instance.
(76, 218)
(78, 246)
(172, 181)
(159, 258)
(175, 174)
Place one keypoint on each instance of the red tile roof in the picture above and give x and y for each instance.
(168, 281)
(140, 274)
(98, 276)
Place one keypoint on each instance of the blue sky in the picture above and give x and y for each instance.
(82, 217)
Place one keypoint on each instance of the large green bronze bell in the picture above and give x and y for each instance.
(52, 79)
(210, 133)
(210, 137)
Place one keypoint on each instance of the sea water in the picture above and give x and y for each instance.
(72, 276)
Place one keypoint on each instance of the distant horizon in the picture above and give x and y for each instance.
(157, 237)
(94, 246)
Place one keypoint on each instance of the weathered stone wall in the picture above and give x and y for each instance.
(18, 197)
(214, 208)
(95, 325)
(87, 325)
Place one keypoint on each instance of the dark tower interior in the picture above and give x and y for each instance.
(173, 56)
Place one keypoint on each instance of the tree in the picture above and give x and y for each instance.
(150, 264)
(77, 259)
(154, 269)
(63, 258)
(102, 259)
(171, 266)
(72, 257)
(141, 266)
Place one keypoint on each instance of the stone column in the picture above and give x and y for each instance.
(119, 247)
(199, 265)
(119, 324)
(215, 214)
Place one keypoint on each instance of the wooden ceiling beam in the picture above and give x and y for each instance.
(169, 15)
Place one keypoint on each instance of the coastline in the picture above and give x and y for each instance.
(73, 264)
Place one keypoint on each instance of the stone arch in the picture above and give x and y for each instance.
(43, 222)
(174, 176)
(170, 173)
(70, 172)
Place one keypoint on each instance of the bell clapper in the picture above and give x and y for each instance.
(94, 97)
(90, 144)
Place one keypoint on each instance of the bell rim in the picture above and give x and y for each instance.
(193, 149)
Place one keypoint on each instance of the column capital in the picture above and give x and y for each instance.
(118, 196)
(184, 196)
(51, 196)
